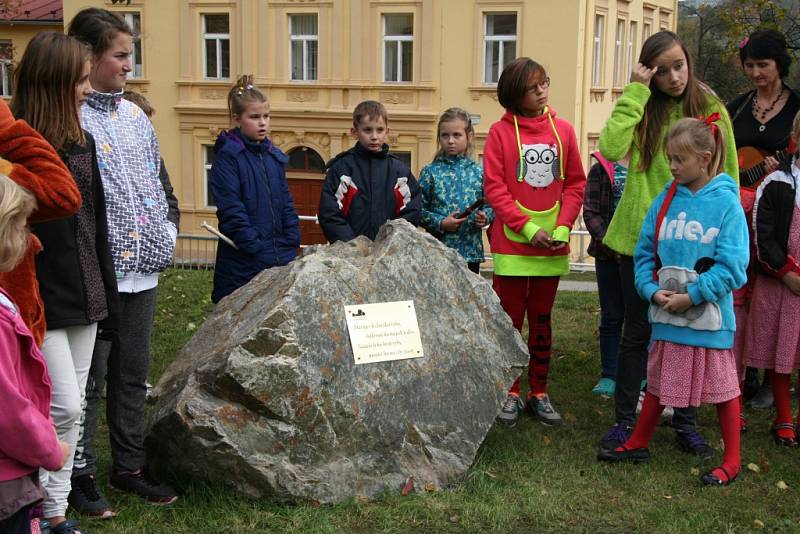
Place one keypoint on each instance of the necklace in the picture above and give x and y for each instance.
(757, 109)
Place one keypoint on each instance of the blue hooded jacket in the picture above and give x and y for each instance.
(254, 209)
(703, 251)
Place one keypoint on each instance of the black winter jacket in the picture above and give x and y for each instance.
(772, 221)
(75, 269)
(363, 190)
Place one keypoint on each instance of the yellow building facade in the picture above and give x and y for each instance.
(316, 59)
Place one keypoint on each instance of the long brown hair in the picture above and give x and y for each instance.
(649, 131)
(44, 87)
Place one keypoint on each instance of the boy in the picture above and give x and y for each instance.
(366, 186)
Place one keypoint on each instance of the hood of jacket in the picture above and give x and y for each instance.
(233, 141)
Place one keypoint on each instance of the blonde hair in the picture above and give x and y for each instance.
(16, 204)
(456, 114)
(697, 137)
(242, 94)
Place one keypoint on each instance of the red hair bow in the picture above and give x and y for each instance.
(710, 120)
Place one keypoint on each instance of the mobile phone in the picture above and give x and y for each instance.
(472, 207)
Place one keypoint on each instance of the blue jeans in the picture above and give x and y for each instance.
(612, 314)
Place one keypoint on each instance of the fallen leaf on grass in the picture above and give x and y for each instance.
(570, 418)
(668, 497)
(430, 487)
(191, 326)
(454, 519)
(757, 523)
(408, 487)
(694, 471)
(490, 474)
(546, 440)
(782, 485)
(583, 354)
(753, 467)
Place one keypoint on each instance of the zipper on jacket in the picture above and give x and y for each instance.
(269, 201)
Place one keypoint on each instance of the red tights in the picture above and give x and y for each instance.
(727, 413)
(536, 295)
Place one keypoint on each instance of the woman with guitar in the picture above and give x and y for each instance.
(762, 121)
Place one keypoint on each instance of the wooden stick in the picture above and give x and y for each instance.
(219, 234)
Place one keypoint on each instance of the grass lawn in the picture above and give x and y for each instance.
(529, 478)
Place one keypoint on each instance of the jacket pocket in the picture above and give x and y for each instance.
(543, 219)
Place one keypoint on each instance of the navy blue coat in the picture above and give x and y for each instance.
(254, 209)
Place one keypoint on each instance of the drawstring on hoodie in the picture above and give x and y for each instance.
(546, 111)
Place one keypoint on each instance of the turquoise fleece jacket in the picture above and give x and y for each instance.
(452, 183)
(641, 187)
(703, 251)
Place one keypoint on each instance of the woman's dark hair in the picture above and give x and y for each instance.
(513, 82)
(767, 44)
(694, 101)
(97, 28)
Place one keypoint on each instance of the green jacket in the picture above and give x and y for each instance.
(641, 188)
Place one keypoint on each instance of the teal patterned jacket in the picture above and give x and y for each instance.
(450, 184)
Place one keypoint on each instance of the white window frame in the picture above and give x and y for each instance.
(597, 50)
(206, 149)
(619, 53)
(5, 71)
(136, 59)
(397, 40)
(305, 40)
(497, 38)
(632, 31)
(218, 38)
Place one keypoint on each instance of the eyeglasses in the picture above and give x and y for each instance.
(544, 84)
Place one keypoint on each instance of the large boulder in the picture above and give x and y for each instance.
(266, 397)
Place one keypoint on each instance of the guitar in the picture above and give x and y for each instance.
(753, 168)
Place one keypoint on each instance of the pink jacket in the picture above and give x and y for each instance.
(27, 437)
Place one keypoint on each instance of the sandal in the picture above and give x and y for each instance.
(624, 454)
(710, 479)
(791, 442)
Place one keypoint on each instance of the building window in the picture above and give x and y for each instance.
(632, 46)
(398, 47)
(6, 62)
(208, 162)
(499, 44)
(303, 47)
(646, 33)
(134, 21)
(216, 46)
(305, 159)
(405, 157)
(597, 51)
(619, 49)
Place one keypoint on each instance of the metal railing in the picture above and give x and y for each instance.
(194, 251)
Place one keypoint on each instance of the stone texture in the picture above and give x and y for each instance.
(266, 399)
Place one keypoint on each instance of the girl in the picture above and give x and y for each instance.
(142, 240)
(534, 180)
(663, 89)
(772, 339)
(689, 259)
(450, 184)
(29, 439)
(254, 206)
(604, 186)
(75, 269)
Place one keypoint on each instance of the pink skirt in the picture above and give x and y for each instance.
(772, 339)
(682, 375)
(740, 312)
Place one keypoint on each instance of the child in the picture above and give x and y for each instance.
(366, 185)
(772, 339)
(689, 259)
(28, 159)
(450, 184)
(663, 89)
(75, 269)
(604, 186)
(254, 206)
(534, 180)
(142, 240)
(29, 440)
